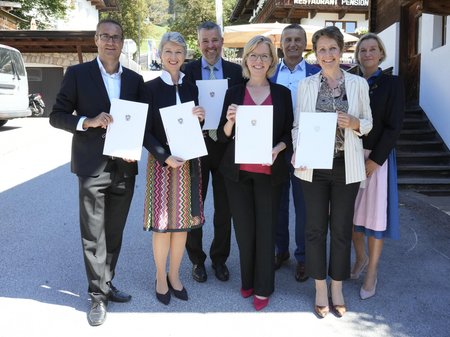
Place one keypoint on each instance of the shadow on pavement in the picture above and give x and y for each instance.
(42, 261)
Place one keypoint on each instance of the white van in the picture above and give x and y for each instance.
(13, 85)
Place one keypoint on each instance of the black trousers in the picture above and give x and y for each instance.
(254, 205)
(104, 204)
(329, 202)
(220, 246)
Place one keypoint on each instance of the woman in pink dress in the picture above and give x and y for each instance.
(376, 206)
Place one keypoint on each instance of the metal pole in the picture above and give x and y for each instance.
(139, 42)
(219, 13)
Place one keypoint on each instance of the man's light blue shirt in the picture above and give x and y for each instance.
(218, 69)
(290, 79)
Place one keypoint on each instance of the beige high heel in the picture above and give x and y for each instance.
(338, 309)
(321, 310)
(355, 275)
(365, 294)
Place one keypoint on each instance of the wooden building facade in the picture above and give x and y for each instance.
(417, 37)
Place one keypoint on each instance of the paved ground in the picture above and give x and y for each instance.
(43, 285)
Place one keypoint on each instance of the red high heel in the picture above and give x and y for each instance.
(246, 292)
(260, 303)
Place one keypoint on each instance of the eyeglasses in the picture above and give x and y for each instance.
(107, 38)
(263, 57)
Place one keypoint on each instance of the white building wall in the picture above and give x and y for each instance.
(434, 74)
(391, 39)
(320, 18)
(82, 16)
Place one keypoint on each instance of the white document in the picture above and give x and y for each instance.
(315, 140)
(183, 131)
(211, 94)
(124, 137)
(254, 134)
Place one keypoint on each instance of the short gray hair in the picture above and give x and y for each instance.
(209, 25)
(174, 37)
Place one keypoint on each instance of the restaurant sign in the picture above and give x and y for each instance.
(333, 2)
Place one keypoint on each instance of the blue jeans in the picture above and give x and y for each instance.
(282, 229)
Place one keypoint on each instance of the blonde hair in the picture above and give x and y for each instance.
(250, 46)
(375, 37)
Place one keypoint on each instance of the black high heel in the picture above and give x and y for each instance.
(163, 298)
(181, 294)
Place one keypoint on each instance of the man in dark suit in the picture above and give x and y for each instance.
(106, 184)
(292, 69)
(212, 66)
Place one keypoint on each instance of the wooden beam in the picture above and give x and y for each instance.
(436, 7)
(80, 54)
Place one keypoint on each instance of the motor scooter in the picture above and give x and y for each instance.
(36, 104)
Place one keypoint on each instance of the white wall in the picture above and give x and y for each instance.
(391, 39)
(434, 78)
(320, 18)
(81, 16)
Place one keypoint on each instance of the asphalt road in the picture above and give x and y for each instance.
(43, 284)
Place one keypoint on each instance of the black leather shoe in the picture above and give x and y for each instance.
(115, 295)
(97, 314)
(163, 298)
(199, 272)
(181, 294)
(221, 271)
(280, 258)
(300, 275)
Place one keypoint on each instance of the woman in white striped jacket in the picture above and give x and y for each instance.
(330, 194)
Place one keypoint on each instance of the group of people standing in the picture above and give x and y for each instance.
(254, 197)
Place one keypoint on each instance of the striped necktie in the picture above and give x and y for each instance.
(211, 72)
(212, 133)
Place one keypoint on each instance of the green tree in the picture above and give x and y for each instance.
(132, 15)
(158, 12)
(141, 16)
(43, 10)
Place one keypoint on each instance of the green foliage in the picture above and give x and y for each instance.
(158, 12)
(131, 15)
(44, 11)
(155, 33)
(141, 16)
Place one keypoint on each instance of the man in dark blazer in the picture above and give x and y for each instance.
(106, 184)
(212, 66)
(292, 69)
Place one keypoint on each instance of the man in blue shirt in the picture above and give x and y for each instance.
(292, 69)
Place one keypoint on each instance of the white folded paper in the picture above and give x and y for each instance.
(315, 140)
(211, 94)
(125, 135)
(183, 131)
(254, 134)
